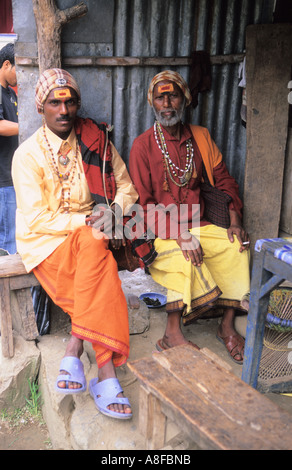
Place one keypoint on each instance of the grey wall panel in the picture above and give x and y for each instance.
(174, 28)
(148, 28)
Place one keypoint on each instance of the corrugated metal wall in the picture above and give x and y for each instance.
(174, 28)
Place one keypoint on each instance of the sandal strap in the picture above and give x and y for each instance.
(108, 390)
(69, 378)
(75, 373)
(109, 387)
(231, 343)
(72, 364)
(234, 341)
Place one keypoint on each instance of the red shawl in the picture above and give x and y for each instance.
(92, 141)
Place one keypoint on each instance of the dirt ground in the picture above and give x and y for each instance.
(26, 434)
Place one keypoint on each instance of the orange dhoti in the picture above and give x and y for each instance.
(81, 277)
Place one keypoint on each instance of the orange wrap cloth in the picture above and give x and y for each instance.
(81, 277)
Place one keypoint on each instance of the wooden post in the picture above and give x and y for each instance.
(268, 68)
(5, 319)
(152, 421)
(49, 22)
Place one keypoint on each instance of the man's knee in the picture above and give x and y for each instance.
(89, 238)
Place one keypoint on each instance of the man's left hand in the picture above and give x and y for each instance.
(241, 235)
(237, 229)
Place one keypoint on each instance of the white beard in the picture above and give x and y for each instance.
(168, 122)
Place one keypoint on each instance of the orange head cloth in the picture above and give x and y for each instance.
(173, 77)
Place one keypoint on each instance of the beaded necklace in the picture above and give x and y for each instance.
(170, 168)
(68, 174)
(183, 175)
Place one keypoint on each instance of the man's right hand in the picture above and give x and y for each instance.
(103, 220)
(191, 248)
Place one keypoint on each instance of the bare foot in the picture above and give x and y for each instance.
(172, 340)
(173, 335)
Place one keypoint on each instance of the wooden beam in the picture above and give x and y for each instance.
(98, 61)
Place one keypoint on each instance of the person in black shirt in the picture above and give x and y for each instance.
(8, 145)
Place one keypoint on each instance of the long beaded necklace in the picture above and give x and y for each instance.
(170, 168)
(183, 175)
(68, 174)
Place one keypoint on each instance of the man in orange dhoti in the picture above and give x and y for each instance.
(58, 174)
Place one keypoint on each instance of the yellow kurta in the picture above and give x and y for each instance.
(41, 222)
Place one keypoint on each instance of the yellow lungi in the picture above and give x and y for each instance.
(222, 280)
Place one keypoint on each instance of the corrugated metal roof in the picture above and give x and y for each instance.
(174, 28)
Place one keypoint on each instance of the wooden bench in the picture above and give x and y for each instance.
(217, 409)
(16, 306)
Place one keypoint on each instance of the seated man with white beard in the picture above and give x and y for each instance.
(202, 265)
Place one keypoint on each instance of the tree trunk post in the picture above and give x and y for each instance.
(49, 22)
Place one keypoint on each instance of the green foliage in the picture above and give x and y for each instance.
(34, 401)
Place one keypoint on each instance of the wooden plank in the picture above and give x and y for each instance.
(23, 315)
(217, 409)
(268, 68)
(207, 352)
(11, 265)
(16, 307)
(5, 319)
(22, 281)
(152, 421)
(225, 391)
(98, 61)
(145, 424)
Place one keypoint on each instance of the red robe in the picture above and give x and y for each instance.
(147, 172)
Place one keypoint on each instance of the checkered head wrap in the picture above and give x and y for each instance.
(173, 77)
(50, 79)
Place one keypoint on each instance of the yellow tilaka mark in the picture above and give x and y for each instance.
(64, 93)
(165, 88)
